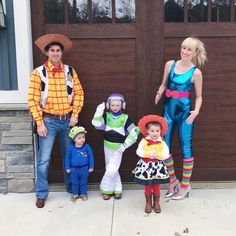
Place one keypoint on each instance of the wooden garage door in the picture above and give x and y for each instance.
(126, 53)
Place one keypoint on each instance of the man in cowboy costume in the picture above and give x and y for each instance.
(55, 100)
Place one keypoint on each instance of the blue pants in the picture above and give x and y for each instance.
(176, 116)
(79, 179)
(54, 127)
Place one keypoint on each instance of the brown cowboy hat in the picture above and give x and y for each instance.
(152, 118)
(46, 39)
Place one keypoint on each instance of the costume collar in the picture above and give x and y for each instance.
(117, 113)
(153, 142)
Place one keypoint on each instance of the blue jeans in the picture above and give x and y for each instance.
(55, 128)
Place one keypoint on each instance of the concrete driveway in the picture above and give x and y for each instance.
(207, 212)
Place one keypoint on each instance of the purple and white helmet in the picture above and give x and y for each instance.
(116, 97)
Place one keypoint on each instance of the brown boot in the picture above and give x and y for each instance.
(156, 203)
(148, 207)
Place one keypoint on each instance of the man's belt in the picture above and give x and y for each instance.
(58, 117)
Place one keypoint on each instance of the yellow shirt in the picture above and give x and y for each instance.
(57, 100)
(145, 151)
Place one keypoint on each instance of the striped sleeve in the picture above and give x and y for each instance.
(34, 97)
(78, 99)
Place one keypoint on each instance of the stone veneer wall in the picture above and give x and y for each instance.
(17, 168)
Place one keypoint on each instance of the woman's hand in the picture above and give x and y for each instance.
(192, 116)
(157, 98)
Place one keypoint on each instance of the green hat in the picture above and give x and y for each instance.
(75, 131)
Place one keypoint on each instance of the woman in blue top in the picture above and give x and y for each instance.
(178, 79)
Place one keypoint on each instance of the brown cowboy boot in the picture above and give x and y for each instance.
(148, 207)
(156, 203)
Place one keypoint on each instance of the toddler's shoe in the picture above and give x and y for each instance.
(84, 198)
(74, 198)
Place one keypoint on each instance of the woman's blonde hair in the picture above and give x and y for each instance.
(196, 45)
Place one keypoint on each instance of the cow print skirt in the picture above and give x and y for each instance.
(149, 173)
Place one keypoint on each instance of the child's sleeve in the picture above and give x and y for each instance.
(90, 157)
(140, 149)
(98, 120)
(133, 132)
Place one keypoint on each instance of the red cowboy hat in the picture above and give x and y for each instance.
(152, 118)
(46, 39)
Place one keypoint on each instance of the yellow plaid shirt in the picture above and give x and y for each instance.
(57, 100)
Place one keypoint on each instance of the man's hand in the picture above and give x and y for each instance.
(68, 171)
(42, 130)
(73, 121)
(90, 170)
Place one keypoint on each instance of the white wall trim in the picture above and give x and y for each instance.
(24, 56)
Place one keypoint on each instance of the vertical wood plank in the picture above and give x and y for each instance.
(185, 11)
(37, 14)
(66, 11)
(209, 11)
(149, 53)
(113, 3)
(90, 12)
(232, 2)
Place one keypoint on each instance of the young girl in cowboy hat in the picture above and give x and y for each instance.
(150, 170)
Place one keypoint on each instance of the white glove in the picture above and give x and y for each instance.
(134, 132)
(100, 109)
(122, 148)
